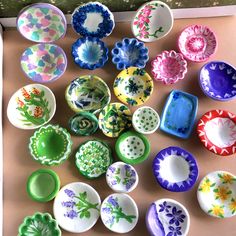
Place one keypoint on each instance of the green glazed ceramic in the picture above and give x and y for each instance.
(40, 224)
(50, 145)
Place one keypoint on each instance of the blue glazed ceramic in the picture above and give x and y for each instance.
(175, 169)
(90, 53)
(217, 80)
(179, 114)
(129, 52)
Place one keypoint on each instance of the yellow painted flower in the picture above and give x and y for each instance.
(206, 185)
(222, 193)
(232, 206)
(217, 210)
(227, 178)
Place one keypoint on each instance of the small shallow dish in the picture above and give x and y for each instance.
(39, 224)
(175, 169)
(197, 43)
(114, 119)
(122, 177)
(41, 23)
(89, 53)
(169, 67)
(179, 114)
(44, 62)
(167, 217)
(93, 19)
(87, 93)
(217, 194)
(129, 52)
(152, 21)
(77, 207)
(31, 106)
(217, 80)
(119, 213)
(133, 86)
(132, 147)
(217, 131)
(50, 145)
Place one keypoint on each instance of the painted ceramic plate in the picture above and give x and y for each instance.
(122, 177)
(42, 23)
(167, 217)
(217, 131)
(119, 213)
(87, 93)
(179, 114)
(114, 119)
(44, 63)
(197, 43)
(133, 86)
(217, 194)
(175, 169)
(77, 207)
(31, 106)
(152, 21)
(217, 80)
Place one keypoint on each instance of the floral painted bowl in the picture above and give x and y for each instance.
(114, 119)
(44, 63)
(93, 19)
(217, 194)
(152, 21)
(217, 131)
(197, 43)
(217, 80)
(119, 213)
(77, 207)
(169, 67)
(87, 93)
(175, 169)
(89, 53)
(41, 23)
(129, 52)
(39, 224)
(167, 217)
(133, 86)
(31, 106)
(50, 145)
(122, 177)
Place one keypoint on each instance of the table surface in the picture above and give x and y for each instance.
(18, 163)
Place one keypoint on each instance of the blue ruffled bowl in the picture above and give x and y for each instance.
(129, 52)
(90, 53)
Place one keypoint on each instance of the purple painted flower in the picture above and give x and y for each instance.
(164, 207)
(106, 210)
(68, 204)
(113, 201)
(41, 47)
(110, 221)
(24, 57)
(127, 167)
(174, 231)
(112, 169)
(38, 25)
(46, 58)
(113, 182)
(46, 29)
(29, 16)
(31, 66)
(129, 184)
(176, 217)
(61, 67)
(69, 193)
(71, 214)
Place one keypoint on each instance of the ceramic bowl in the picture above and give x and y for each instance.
(93, 158)
(167, 217)
(89, 53)
(217, 132)
(217, 194)
(197, 43)
(122, 177)
(31, 106)
(169, 67)
(129, 52)
(145, 120)
(38, 224)
(77, 207)
(152, 21)
(50, 145)
(119, 213)
(133, 86)
(175, 169)
(217, 80)
(114, 119)
(41, 22)
(44, 63)
(38, 190)
(87, 93)
(93, 19)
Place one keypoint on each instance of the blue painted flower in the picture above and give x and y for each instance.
(176, 216)
(110, 220)
(113, 201)
(112, 169)
(69, 193)
(68, 204)
(71, 214)
(106, 210)
(174, 231)
(176, 96)
(164, 207)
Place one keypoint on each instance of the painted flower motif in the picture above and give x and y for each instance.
(25, 94)
(71, 214)
(69, 193)
(113, 201)
(217, 210)
(19, 103)
(222, 193)
(175, 231)
(206, 186)
(226, 178)
(232, 205)
(131, 101)
(176, 216)
(132, 87)
(68, 204)
(38, 112)
(35, 91)
(164, 207)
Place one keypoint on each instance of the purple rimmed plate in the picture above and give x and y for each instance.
(175, 169)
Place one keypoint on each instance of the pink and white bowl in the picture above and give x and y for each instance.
(169, 67)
